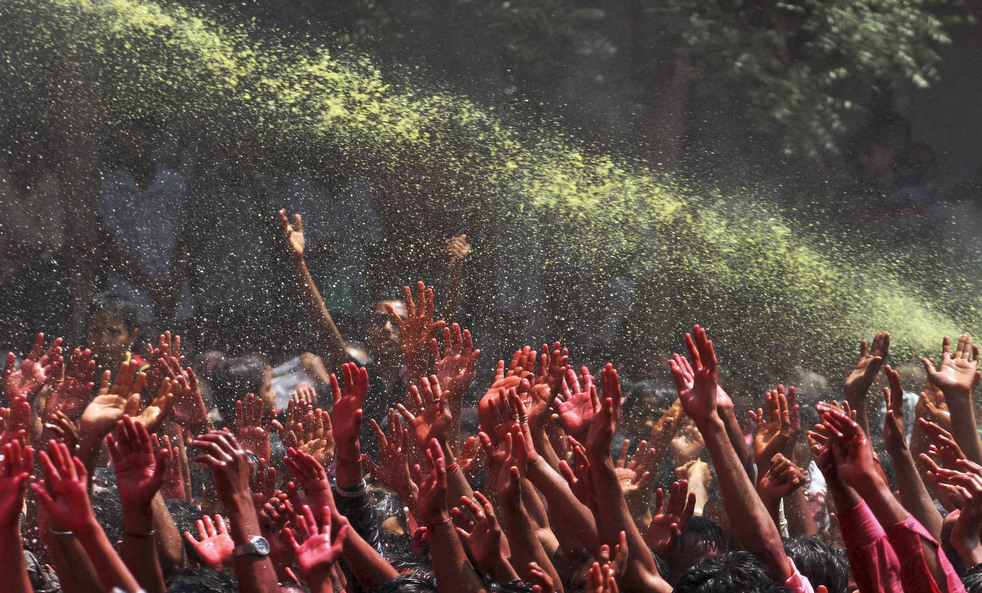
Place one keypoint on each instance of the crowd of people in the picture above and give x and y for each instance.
(130, 466)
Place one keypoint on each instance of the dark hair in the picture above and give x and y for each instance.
(387, 505)
(185, 514)
(109, 512)
(407, 583)
(203, 580)
(233, 378)
(734, 572)
(515, 586)
(701, 529)
(973, 579)
(116, 305)
(821, 563)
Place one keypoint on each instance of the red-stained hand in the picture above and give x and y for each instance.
(15, 421)
(37, 369)
(347, 413)
(699, 400)
(774, 429)
(228, 461)
(850, 448)
(431, 500)
(16, 465)
(670, 519)
(310, 475)
(293, 233)
(159, 357)
(139, 470)
(958, 376)
(304, 395)
(457, 366)
(434, 417)
(249, 427)
(548, 383)
(214, 546)
(312, 543)
(859, 380)
(781, 479)
(71, 394)
(579, 481)
(479, 529)
(577, 403)
(262, 483)
(63, 492)
(392, 471)
(604, 424)
(418, 328)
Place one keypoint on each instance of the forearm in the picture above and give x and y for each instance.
(170, 549)
(540, 440)
(751, 523)
(615, 517)
(698, 487)
(562, 500)
(799, 516)
(454, 573)
(72, 565)
(457, 484)
(366, 563)
(256, 574)
(109, 568)
(139, 549)
(963, 427)
(735, 434)
(348, 473)
(449, 312)
(913, 493)
(524, 544)
(15, 578)
(331, 341)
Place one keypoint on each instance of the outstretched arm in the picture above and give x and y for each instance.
(459, 249)
(331, 343)
(958, 378)
(15, 473)
(751, 522)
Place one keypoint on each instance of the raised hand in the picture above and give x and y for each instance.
(347, 411)
(870, 359)
(159, 357)
(966, 485)
(139, 470)
(774, 430)
(479, 530)
(304, 395)
(688, 444)
(310, 475)
(15, 421)
(262, 484)
(670, 518)
(894, 436)
(604, 424)
(72, 394)
(458, 247)
(63, 429)
(293, 233)
(16, 465)
(957, 376)
(431, 500)
(579, 481)
(214, 544)
(227, 460)
(312, 543)
(636, 475)
(457, 366)
(699, 398)
(577, 403)
(189, 407)
(418, 328)
(249, 427)
(943, 445)
(37, 369)
(471, 457)
(850, 448)
(316, 436)
(781, 479)
(434, 419)
(392, 471)
(64, 492)
(932, 406)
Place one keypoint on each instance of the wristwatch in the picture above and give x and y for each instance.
(256, 546)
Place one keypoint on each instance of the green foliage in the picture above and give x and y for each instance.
(805, 64)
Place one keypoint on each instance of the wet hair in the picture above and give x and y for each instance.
(185, 514)
(388, 505)
(703, 530)
(203, 580)
(734, 572)
(109, 512)
(233, 378)
(973, 579)
(821, 563)
(116, 305)
(407, 583)
(515, 586)
(416, 565)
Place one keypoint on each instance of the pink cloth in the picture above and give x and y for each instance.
(907, 538)
(872, 559)
(797, 582)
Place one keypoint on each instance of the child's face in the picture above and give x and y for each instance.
(108, 338)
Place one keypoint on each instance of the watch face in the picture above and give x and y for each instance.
(261, 545)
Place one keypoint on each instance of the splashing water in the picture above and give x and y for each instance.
(594, 221)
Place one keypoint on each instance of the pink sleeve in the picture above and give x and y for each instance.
(798, 583)
(872, 559)
(907, 538)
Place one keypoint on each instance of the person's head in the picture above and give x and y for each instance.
(821, 563)
(389, 511)
(185, 516)
(973, 579)
(236, 376)
(735, 572)
(407, 583)
(702, 538)
(109, 512)
(381, 333)
(203, 580)
(110, 330)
